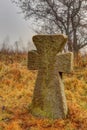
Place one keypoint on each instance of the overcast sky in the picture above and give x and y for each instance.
(12, 23)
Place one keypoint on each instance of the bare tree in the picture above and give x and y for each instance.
(6, 44)
(19, 45)
(58, 16)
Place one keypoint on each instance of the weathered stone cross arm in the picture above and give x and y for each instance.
(64, 62)
(49, 98)
(54, 44)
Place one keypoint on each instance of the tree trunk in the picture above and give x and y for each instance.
(70, 45)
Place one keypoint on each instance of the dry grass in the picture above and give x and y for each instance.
(16, 89)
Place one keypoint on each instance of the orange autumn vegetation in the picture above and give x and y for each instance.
(16, 90)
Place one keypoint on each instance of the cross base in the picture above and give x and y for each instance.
(49, 97)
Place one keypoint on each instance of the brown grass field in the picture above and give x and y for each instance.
(16, 90)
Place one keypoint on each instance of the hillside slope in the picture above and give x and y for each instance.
(16, 90)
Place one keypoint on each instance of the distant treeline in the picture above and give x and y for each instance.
(17, 46)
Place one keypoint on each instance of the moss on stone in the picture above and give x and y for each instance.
(49, 97)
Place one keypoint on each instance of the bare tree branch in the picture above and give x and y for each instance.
(53, 16)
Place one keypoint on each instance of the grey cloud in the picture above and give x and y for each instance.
(12, 23)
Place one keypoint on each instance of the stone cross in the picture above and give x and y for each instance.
(49, 97)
